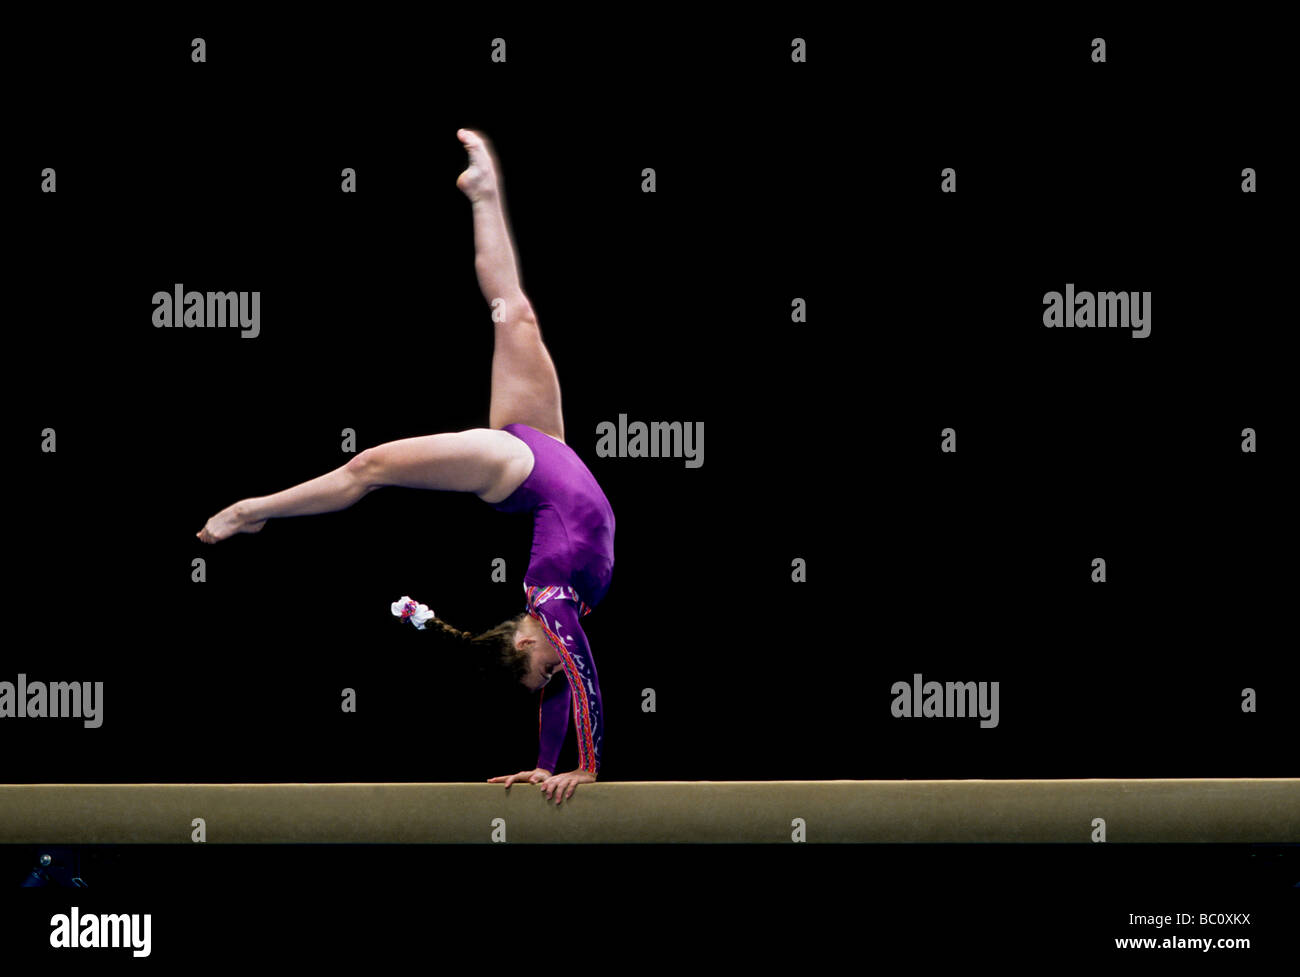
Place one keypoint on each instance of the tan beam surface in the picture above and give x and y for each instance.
(711, 812)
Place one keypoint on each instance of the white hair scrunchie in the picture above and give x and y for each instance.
(416, 613)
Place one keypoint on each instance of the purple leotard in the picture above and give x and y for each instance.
(568, 574)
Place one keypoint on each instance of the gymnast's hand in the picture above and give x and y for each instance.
(564, 784)
(532, 776)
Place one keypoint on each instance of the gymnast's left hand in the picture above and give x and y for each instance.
(562, 785)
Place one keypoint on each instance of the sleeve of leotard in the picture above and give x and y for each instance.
(580, 696)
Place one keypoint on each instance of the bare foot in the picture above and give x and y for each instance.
(226, 523)
(480, 179)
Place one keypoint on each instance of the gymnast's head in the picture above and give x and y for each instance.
(515, 652)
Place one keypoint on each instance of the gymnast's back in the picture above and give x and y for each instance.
(573, 524)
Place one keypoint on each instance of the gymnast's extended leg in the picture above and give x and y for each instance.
(525, 387)
(489, 463)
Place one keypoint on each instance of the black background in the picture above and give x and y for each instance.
(775, 181)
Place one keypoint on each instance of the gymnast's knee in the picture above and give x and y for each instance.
(367, 468)
(515, 314)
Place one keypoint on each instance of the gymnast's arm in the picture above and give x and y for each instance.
(579, 696)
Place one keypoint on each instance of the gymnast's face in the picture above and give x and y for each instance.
(543, 660)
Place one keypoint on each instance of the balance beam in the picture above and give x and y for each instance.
(701, 812)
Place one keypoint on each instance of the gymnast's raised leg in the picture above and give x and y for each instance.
(525, 388)
(486, 461)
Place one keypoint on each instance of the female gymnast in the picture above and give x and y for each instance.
(520, 463)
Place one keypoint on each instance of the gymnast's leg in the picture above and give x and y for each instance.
(525, 387)
(489, 463)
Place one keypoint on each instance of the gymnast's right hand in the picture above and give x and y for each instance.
(528, 776)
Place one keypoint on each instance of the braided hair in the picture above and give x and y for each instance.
(491, 655)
